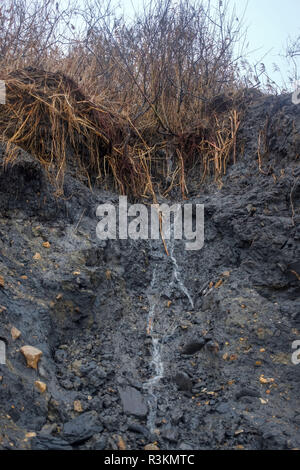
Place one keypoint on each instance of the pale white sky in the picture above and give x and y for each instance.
(270, 23)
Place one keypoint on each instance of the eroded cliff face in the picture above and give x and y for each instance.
(214, 373)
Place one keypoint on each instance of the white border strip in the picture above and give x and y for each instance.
(2, 92)
(2, 352)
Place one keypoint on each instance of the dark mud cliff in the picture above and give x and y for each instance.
(214, 369)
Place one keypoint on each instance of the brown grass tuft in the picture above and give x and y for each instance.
(47, 115)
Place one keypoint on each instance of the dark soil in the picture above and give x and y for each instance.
(84, 303)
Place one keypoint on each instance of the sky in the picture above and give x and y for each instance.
(269, 22)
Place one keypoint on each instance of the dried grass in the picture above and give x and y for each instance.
(148, 107)
(47, 115)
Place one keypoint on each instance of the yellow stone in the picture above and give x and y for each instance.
(263, 402)
(32, 355)
(226, 273)
(151, 447)
(78, 406)
(41, 386)
(15, 333)
(121, 443)
(265, 380)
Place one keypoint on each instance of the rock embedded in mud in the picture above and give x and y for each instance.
(224, 408)
(32, 356)
(82, 428)
(41, 386)
(133, 402)
(138, 428)
(78, 406)
(246, 392)
(169, 433)
(15, 333)
(176, 416)
(183, 382)
(213, 347)
(49, 442)
(193, 347)
(121, 443)
(272, 437)
(151, 447)
(185, 446)
(99, 442)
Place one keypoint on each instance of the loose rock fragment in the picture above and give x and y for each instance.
(121, 443)
(133, 402)
(81, 428)
(265, 380)
(41, 386)
(193, 347)
(32, 356)
(15, 333)
(226, 273)
(151, 447)
(78, 406)
(263, 402)
(183, 382)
